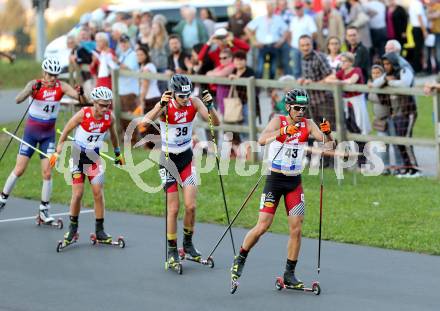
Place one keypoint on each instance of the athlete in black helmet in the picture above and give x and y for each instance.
(290, 135)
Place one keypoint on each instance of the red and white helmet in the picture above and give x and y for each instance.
(51, 65)
(101, 93)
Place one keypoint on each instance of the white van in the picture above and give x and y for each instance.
(170, 9)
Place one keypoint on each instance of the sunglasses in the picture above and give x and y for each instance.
(183, 96)
(299, 108)
(103, 106)
(52, 75)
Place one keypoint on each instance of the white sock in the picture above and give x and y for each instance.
(46, 191)
(10, 183)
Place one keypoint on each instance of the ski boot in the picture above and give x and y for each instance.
(173, 261)
(70, 237)
(3, 200)
(236, 271)
(100, 237)
(290, 281)
(189, 252)
(44, 218)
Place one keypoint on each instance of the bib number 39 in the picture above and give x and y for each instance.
(181, 131)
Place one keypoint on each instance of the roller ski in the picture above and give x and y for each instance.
(100, 237)
(173, 261)
(45, 219)
(290, 281)
(236, 271)
(189, 252)
(3, 200)
(70, 238)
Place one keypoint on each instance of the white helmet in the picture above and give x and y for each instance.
(51, 65)
(101, 93)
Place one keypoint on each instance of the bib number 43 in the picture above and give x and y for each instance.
(291, 153)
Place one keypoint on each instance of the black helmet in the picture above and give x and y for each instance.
(297, 97)
(181, 84)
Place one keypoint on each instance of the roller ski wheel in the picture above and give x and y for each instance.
(65, 243)
(315, 288)
(206, 262)
(175, 266)
(58, 224)
(120, 242)
(234, 284)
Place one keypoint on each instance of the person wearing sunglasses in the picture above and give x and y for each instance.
(177, 110)
(44, 104)
(91, 125)
(287, 138)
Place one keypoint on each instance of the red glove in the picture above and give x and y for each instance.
(325, 127)
(289, 130)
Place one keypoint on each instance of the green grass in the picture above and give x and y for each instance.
(378, 211)
(19, 73)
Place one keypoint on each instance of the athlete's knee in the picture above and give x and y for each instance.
(295, 232)
(190, 208)
(19, 170)
(173, 210)
(77, 196)
(97, 194)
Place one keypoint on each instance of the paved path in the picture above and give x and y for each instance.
(84, 277)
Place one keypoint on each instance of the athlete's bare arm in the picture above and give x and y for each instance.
(114, 134)
(316, 132)
(25, 93)
(71, 124)
(201, 108)
(153, 114)
(68, 90)
(270, 133)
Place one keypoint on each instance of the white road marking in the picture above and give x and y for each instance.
(33, 217)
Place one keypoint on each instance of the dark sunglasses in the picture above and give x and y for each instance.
(104, 106)
(298, 108)
(52, 75)
(183, 96)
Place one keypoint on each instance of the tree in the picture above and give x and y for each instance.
(13, 16)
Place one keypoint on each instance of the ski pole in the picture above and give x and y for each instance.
(25, 143)
(211, 126)
(16, 129)
(320, 203)
(165, 186)
(242, 205)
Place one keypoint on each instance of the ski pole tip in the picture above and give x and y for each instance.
(4, 129)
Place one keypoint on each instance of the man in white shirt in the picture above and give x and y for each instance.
(378, 28)
(301, 24)
(267, 34)
(419, 22)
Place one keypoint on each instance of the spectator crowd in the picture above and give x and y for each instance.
(372, 42)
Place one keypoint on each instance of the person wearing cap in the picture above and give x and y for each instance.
(177, 111)
(44, 97)
(128, 86)
(222, 39)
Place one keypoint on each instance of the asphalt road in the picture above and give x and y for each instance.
(85, 277)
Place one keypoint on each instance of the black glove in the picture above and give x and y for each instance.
(37, 86)
(165, 99)
(119, 159)
(207, 99)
